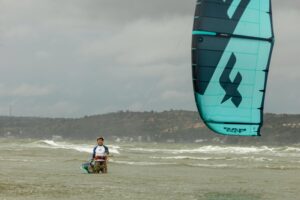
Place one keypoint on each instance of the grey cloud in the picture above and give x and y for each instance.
(98, 56)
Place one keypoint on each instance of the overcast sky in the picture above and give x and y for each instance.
(70, 58)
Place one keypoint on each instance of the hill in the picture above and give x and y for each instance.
(167, 126)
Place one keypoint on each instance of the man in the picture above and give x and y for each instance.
(100, 153)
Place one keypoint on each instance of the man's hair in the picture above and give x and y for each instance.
(100, 138)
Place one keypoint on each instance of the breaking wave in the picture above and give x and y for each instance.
(78, 147)
(275, 151)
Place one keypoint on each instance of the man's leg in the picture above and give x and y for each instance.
(105, 167)
(97, 167)
(91, 168)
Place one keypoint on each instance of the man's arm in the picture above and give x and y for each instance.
(106, 150)
(94, 152)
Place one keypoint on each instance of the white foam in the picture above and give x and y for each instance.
(214, 165)
(210, 149)
(259, 159)
(78, 147)
(21, 160)
(188, 158)
(141, 163)
(251, 158)
(292, 149)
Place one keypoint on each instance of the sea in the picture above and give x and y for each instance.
(50, 169)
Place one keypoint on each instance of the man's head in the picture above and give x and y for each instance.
(100, 141)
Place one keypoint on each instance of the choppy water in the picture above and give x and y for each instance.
(47, 169)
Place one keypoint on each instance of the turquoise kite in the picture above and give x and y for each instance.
(231, 52)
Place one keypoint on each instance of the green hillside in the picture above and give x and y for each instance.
(167, 126)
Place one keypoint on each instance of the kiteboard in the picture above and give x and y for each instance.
(85, 168)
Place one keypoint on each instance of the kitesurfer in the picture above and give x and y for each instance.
(99, 158)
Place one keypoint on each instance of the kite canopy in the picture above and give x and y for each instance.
(231, 51)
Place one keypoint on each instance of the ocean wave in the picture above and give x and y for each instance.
(214, 165)
(208, 165)
(288, 151)
(292, 149)
(252, 158)
(78, 147)
(280, 167)
(188, 158)
(210, 149)
(232, 166)
(22, 160)
(140, 163)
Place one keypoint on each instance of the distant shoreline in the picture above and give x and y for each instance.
(167, 126)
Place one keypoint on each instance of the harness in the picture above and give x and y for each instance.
(100, 158)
